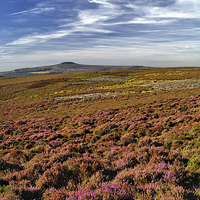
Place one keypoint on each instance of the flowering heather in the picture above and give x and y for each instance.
(118, 191)
(54, 144)
(141, 144)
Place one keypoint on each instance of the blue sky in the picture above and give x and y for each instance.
(157, 33)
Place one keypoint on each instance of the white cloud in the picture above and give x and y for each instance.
(89, 21)
(181, 9)
(136, 51)
(149, 21)
(21, 12)
(160, 37)
(87, 17)
(34, 11)
(40, 38)
(106, 11)
(180, 13)
(31, 39)
(102, 2)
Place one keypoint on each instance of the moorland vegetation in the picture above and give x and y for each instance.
(113, 135)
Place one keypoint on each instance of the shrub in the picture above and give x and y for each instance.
(29, 193)
(85, 166)
(54, 136)
(126, 175)
(128, 138)
(96, 179)
(54, 144)
(106, 191)
(146, 141)
(32, 172)
(10, 196)
(55, 194)
(3, 182)
(104, 128)
(17, 156)
(57, 176)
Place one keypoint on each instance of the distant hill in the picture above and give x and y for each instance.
(65, 67)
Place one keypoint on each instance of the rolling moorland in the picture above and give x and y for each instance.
(64, 67)
(112, 135)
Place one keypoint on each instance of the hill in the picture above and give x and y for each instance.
(64, 67)
(120, 134)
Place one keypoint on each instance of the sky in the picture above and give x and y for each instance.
(158, 33)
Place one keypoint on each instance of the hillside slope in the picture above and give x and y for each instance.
(64, 67)
(121, 135)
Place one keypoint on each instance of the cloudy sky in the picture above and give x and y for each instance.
(115, 32)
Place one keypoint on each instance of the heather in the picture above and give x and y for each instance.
(140, 142)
